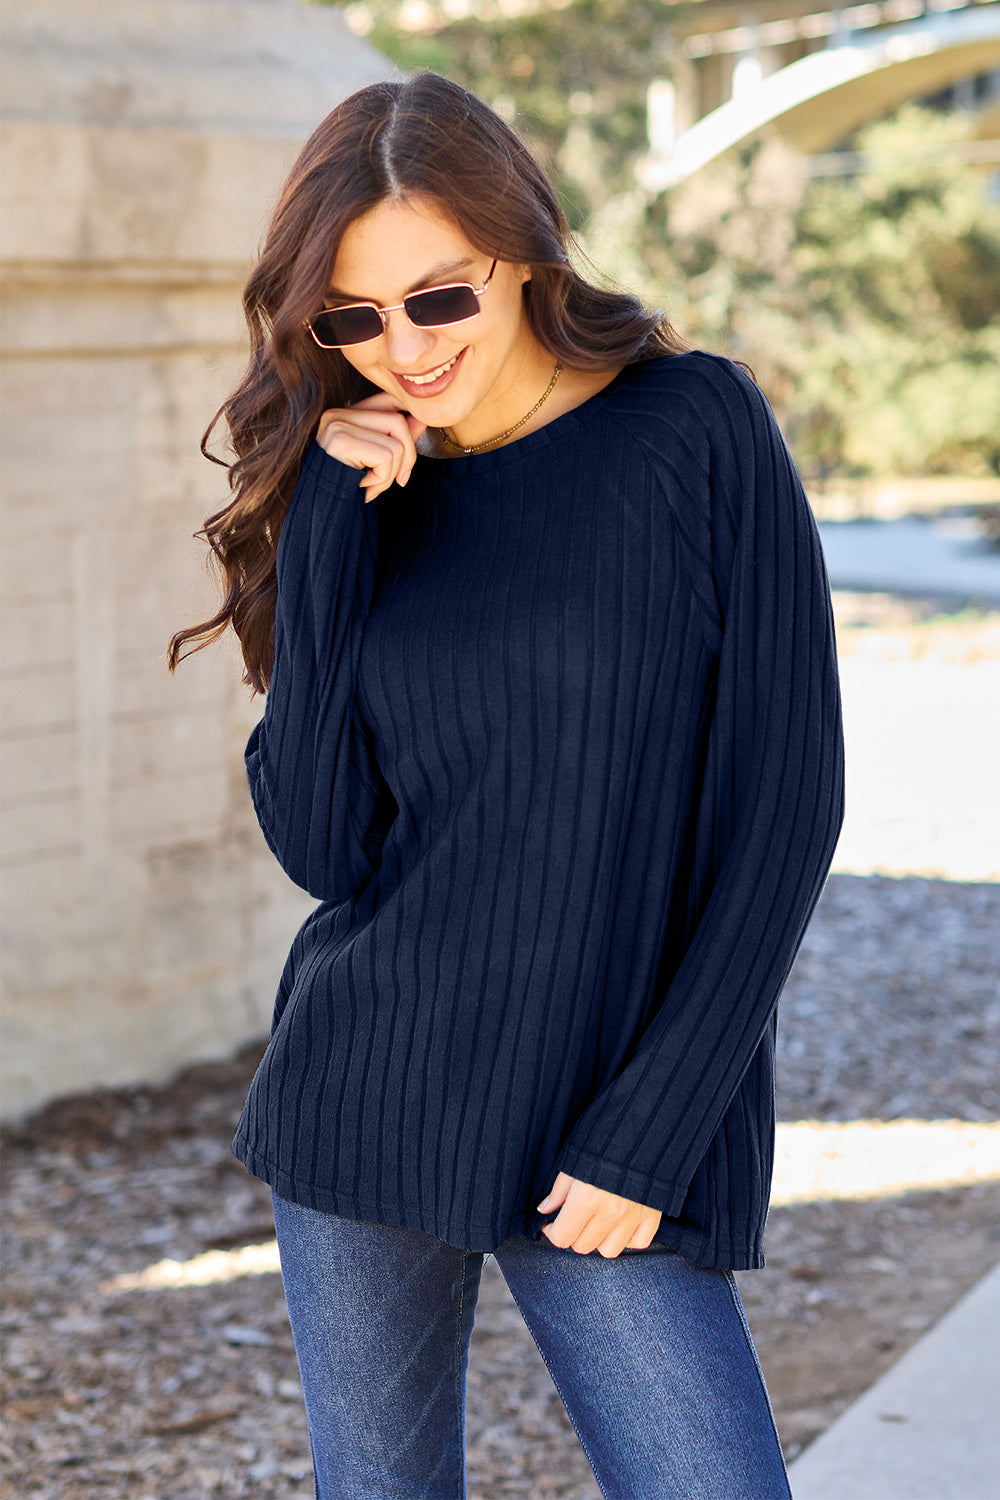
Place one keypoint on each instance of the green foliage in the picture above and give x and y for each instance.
(868, 305)
(901, 267)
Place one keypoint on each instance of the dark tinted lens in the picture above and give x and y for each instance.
(446, 304)
(347, 325)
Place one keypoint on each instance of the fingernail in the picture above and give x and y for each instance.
(543, 1206)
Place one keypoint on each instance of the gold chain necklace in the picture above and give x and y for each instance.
(476, 447)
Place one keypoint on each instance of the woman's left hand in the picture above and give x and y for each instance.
(590, 1218)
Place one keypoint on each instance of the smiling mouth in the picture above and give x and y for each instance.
(432, 375)
(431, 381)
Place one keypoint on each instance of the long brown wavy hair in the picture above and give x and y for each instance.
(421, 135)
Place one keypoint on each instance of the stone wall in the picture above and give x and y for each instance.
(144, 920)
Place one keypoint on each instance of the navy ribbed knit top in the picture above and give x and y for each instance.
(553, 736)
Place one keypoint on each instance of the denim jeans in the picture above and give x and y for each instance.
(650, 1354)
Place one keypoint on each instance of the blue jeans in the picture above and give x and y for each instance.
(651, 1356)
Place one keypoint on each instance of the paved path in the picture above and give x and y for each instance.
(947, 556)
(922, 741)
(913, 724)
(930, 1428)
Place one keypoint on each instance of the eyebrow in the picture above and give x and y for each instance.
(446, 268)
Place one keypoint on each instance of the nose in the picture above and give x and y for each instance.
(406, 344)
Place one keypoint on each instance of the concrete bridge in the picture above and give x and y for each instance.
(815, 78)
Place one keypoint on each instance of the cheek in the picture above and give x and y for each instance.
(497, 334)
(355, 357)
(367, 364)
(512, 320)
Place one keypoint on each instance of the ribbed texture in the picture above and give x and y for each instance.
(554, 737)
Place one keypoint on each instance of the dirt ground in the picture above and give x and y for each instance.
(187, 1391)
(193, 1391)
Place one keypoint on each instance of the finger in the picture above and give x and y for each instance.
(580, 1202)
(602, 1226)
(613, 1244)
(567, 1227)
(359, 465)
(417, 428)
(340, 432)
(607, 1214)
(350, 441)
(643, 1237)
(557, 1197)
(392, 426)
(380, 456)
(408, 428)
(382, 402)
(580, 1227)
(393, 423)
(377, 401)
(374, 486)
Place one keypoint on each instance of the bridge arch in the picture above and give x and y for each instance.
(822, 97)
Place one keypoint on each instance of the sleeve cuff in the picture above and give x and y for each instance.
(639, 1187)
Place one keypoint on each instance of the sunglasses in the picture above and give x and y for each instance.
(335, 327)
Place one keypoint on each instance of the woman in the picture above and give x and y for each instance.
(552, 735)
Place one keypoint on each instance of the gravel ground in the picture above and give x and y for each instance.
(891, 1012)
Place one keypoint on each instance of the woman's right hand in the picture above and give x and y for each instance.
(373, 435)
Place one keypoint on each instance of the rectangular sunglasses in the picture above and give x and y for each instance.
(359, 321)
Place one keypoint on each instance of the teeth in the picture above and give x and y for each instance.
(434, 374)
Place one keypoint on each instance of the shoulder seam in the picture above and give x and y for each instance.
(694, 563)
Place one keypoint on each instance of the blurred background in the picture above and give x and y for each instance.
(816, 192)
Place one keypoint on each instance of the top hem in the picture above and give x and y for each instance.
(483, 1238)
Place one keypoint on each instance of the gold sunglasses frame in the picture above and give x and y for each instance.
(401, 307)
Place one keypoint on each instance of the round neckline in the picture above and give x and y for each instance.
(468, 463)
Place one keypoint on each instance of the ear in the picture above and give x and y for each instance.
(524, 274)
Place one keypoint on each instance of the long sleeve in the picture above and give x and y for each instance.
(770, 809)
(316, 788)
